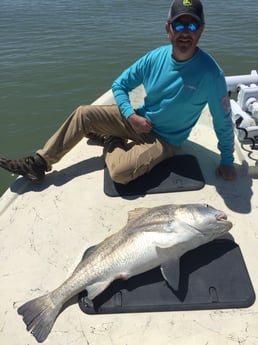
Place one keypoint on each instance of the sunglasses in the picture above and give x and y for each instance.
(179, 27)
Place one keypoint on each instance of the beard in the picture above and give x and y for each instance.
(185, 44)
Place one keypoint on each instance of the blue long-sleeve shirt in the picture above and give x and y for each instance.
(176, 93)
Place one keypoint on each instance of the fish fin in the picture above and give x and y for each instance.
(88, 252)
(137, 212)
(85, 257)
(171, 273)
(39, 315)
(88, 302)
(96, 288)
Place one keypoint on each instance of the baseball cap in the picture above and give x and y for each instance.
(179, 8)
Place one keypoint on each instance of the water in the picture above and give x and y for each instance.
(58, 54)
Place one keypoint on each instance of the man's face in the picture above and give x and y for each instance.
(184, 42)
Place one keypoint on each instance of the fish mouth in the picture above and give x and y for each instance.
(221, 216)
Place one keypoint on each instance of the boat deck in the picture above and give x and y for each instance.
(45, 229)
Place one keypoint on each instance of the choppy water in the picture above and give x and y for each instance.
(55, 55)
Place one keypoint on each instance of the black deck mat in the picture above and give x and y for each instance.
(213, 276)
(179, 173)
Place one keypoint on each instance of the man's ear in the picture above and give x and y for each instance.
(167, 27)
(202, 27)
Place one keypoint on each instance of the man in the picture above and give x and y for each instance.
(179, 79)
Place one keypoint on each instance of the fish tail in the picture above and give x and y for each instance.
(39, 315)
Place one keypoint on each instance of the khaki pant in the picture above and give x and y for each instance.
(126, 163)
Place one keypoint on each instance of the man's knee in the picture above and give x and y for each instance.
(126, 175)
(83, 109)
(120, 176)
(85, 117)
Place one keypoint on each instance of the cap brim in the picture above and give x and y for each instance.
(183, 14)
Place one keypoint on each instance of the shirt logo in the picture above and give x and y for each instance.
(226, 104)
(187, 2)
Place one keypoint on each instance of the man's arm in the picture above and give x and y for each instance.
(219, 104)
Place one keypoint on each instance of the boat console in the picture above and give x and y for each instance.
(245, 113)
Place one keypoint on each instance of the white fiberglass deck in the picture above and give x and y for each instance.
(45, 229)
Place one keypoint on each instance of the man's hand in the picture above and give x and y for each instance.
(140, 124)
(227, 172)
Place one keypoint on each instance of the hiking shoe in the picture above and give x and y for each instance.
(33, 167)
(112, 142)
(97, 139)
